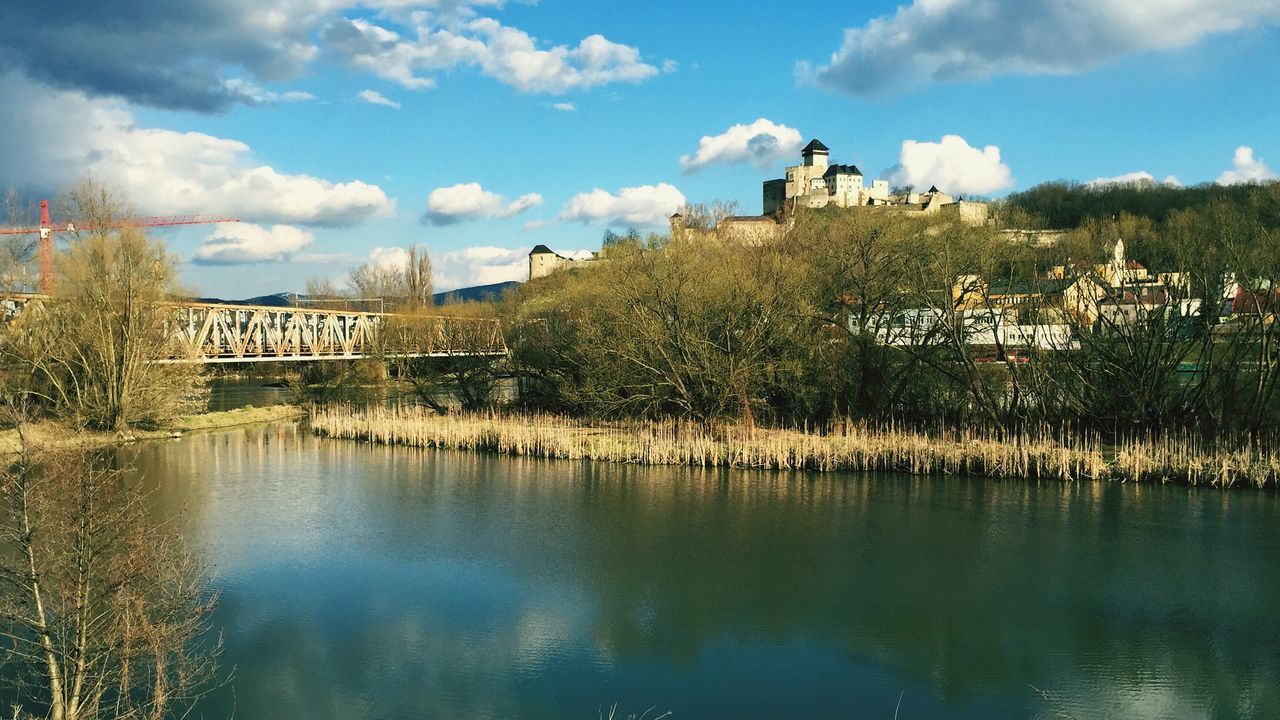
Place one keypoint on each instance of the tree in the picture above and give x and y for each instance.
(417, 278)
(92, 350)
(17, 252)
(104, 615)
(434, 355)
(405, 283)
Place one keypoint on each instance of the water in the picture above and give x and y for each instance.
(369, 582)
(231, 393)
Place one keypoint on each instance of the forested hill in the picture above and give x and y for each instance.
(1067, 205)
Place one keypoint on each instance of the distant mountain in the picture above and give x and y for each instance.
(277, 300)
(476, 293)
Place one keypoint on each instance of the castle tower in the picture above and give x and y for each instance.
(816, 155)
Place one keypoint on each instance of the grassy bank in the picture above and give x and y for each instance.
(841, 447)
(53, 434)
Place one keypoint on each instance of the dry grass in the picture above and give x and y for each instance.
(52, 434)
(843, 446)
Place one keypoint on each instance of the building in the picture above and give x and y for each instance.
(543, 261)
(816, 183)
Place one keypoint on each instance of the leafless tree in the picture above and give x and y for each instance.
(103, 614)
(90, 351)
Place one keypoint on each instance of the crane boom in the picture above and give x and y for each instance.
(47, 229)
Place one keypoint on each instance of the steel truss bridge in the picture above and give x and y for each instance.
(213, 333)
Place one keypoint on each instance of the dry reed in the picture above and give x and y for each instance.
(841, 446)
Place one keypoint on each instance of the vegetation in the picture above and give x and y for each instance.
(87, 353)
(104, 615)
(839, 446)
(887, 318)
(1070, 205)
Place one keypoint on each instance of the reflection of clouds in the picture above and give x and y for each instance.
(384, 582)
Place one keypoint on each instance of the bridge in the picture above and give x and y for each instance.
(216, 333)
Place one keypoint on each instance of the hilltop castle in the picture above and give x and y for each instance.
(815, 183)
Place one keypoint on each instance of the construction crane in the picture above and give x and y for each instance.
(47, 229)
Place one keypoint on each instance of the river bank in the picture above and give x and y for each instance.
(52, 434)
(843, 447)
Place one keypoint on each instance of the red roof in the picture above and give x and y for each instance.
(1252, 302)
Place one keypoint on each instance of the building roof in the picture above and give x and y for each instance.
(933, 189)
(815, 146)
(843, 170)
(542, 250)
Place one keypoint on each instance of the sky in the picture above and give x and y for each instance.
(342, 131)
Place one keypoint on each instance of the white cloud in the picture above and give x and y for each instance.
(951, 164)
(1245, 168)
(469, 201)
(944, 40)
(388, 257)
(1141, 178)
(252, 92)
(373, 97)
(762, 143)
(565, 107)
(244, 243)
(479, 266)
(646, 205)
(162, 171)
(506, 54)
(485, 265)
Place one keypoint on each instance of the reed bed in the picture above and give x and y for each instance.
(840, 446)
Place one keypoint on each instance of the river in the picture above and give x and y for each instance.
(373, 582)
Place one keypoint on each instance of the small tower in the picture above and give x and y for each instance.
(816, 154)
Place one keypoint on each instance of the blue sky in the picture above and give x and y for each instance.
(340, 130)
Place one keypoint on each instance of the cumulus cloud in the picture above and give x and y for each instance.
(951, 164)
(388, 257)
(565, 107)
(210, 55)
(479, 266)
(646, 205)
(1141, 178)
(503, 53)
(161, 53)
(761, 143)
(485, 265)
(947, 40)
(244, 243)
(163, 172)
(469, 201)
(1245, 168)
(373, 97)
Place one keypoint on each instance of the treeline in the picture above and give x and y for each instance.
(1066, 205)
(889, 318)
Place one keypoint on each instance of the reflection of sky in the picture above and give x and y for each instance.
(382, 582)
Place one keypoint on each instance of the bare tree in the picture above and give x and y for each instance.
(103, 614)
(17, 252)
(90, 351)
(417, 278)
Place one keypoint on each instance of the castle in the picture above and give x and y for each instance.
(815, 183)
(812, 184)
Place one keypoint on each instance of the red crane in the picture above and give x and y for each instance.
(46, 231)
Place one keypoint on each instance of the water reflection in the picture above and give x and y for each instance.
(386, 582)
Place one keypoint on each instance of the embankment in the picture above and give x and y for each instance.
(57, 435)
